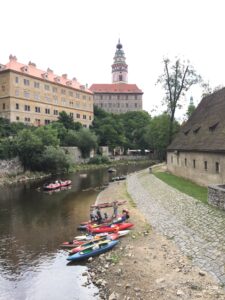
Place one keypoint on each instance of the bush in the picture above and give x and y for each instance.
(98, 159)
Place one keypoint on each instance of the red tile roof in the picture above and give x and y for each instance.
(31, 70)
(115, 88)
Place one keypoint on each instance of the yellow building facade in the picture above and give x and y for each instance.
(36, 97)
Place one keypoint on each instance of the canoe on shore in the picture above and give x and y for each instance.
(93, 250)
(107, 204)
(111, 228)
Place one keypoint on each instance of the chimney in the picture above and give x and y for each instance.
(49, 70)
(74, 79)
(12, 57)
(64, 76)
(32, 64)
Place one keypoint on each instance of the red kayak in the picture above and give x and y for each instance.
(110, 228)
(56, 185)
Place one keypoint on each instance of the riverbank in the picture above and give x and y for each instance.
(7, 179)
(146, 264)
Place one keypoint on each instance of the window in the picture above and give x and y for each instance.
(85, 126)
(27, 119)
(84, 117)
(37, 109)
(187, 131)
(47, 122)
(84, 97)
(77, 95)
(194, 165)
(27, 107)
(36, 96)
(213, 127)
(17, 118)
(47, 98)
(70, 93)
(205, 165)
(55, 100)
(3, 106)
(36, 85)
(38, 122)
(71, 115)
(26, 82)
(26, 94)
(63, 101)
(3, 88)
(90, 118)
(171, 159)
(47, 87)
(118, 104)
(54, 89)
(63, 91)
(17, 93)
(47, 111)
(120, 77)
(135, 105)
(78, 116)
(195, 131)
(55, 112)
(17, 105)
(217, 167)
(16, 79)
(185, 162)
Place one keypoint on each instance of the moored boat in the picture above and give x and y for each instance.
(56, 185)
(93, 250)
(110, 228)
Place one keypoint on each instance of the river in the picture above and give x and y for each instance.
(33, 224)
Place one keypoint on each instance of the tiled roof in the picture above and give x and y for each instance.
(115, 88)
(31, 70)
(205, 130)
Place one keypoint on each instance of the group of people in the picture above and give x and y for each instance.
(96, 216)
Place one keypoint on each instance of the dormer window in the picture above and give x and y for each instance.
(57, 79)
(45, 75)
(69, 82)
(24, 69)
(213, 127)
(2, 67)
(186, 131)
(196, 130)
(82, 87)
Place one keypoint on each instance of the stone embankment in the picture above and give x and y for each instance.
(197, 228)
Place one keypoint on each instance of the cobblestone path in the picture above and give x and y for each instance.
(198, 229)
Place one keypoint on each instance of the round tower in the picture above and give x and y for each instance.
(119, 66)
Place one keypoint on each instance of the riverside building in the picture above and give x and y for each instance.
(119, 96)
(36, 97)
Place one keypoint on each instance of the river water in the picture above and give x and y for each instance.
(33, 224)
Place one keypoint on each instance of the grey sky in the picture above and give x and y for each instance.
(79, 38)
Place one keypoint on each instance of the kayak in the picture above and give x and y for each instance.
(56, 185)
(84, 246)
(80, 240)
(111, 228)
(107, 204)
(93, 250)
(104, 223)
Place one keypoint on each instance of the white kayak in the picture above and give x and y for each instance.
(90, 237)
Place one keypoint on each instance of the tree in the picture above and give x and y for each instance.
(67, 121)
(86, 141)
(176, 81)
(48, 135)
(55, 160)
(157, 134)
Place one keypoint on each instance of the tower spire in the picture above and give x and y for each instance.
(119, 66)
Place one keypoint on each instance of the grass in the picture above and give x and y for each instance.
(183, 185)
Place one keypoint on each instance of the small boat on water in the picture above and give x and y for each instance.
(93, 250)
(111, 170)
(57, 185)
(118, 178)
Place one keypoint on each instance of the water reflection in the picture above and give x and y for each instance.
(33, 224)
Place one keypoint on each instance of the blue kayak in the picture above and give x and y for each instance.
(100, 248)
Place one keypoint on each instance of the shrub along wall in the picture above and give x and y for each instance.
(10, 167)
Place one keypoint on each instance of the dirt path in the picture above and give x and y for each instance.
(146, 265)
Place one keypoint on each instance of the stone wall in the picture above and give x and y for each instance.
(216, 196)
(10, 167)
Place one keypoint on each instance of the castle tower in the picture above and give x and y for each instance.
(119, 66)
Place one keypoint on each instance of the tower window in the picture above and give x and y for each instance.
(120, 77)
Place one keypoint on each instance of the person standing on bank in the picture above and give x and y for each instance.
(115, 209)
(98, 215)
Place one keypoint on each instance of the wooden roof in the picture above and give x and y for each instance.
(205, 130)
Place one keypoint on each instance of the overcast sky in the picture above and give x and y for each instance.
(79, 37)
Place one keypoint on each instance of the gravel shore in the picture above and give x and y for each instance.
(150, 263)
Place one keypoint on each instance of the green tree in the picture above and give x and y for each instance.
(176, 80)
(87, 141)
(67, 121)
(157, 134)
(55, 160)
(8, 148)
(71, 138)
(48, 135)
(30, 148)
